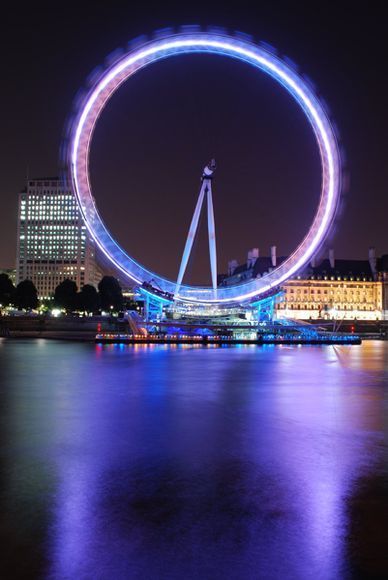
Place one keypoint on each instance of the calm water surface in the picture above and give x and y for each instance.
(153, 462)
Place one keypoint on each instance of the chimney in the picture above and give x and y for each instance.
(331, 258)
(252, 257)
(232, 265)
(249, 259)
(273, 256)
(373, 261)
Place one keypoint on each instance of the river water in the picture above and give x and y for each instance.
(163, 462)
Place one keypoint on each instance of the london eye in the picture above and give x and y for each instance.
(189, 41)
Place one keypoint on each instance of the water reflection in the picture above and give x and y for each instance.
(192, 462)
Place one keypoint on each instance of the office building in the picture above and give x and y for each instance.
(52, 241)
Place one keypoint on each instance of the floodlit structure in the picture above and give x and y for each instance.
(327, 288)
(187, 41)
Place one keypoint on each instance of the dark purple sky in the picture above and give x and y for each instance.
(164, 124)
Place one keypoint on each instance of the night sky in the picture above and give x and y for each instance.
(165, 123)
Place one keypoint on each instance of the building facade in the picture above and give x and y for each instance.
(383, 278)
(331, 289)
(338, 295)
(52, 241)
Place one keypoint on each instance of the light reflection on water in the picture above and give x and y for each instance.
(155, 461)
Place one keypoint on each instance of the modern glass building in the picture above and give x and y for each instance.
(53, 243)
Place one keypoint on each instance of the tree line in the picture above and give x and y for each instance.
(66, 296)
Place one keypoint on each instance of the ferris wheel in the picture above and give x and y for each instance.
(189, 40)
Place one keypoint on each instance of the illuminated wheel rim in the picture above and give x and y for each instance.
(127, 65)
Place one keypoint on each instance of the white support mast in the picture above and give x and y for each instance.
(206, 187)
(212, 234)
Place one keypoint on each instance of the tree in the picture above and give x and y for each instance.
(7, 290)
(26, 295)
(65, 295)
(110, 293)
(88, 299)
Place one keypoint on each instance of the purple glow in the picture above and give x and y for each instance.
(232, 47)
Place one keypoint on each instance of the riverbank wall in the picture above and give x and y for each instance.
(86, 328)
(63, 327)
